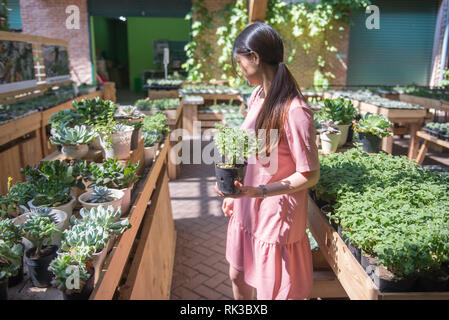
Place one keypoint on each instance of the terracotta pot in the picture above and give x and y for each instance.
(117, 194)
(126, 201)
(121, 145)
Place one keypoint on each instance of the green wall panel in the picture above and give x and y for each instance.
(400, 52)
(14, 17)
(141, 33)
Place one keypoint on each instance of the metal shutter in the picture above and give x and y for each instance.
(400, 52)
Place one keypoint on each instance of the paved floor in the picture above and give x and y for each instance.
(201, 270)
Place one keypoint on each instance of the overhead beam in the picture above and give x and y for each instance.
(257, 10)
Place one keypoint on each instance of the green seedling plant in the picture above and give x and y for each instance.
(112, 174)
(234, 145)
(374, 124)
(39, 228)
(66, 136)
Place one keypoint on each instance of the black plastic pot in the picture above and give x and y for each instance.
(350, 134)
(227, 176)
(371, 143)
(432, 281)
(85, 292)
(15, 280)
(4, 289)
(354, 250)
(368, 263)
(38, 267)
(386, 282)
(444, 136)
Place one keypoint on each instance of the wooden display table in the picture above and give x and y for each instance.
(140, 265)
(154, 94)
(355, 281)
(428, 139)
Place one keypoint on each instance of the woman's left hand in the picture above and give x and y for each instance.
(245, 192)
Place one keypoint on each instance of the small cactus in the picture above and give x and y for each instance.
(101, 195)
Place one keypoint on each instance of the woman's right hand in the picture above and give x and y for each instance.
(228, 206)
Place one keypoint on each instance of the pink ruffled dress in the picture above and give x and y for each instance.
(266, 238)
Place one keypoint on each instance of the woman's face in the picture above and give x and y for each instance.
(250, 66)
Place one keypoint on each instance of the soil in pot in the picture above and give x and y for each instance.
(4, 289)
(388, 282)
(432, 281)
(38, 267)
(85, 292)
(227, 175)
(371, 143)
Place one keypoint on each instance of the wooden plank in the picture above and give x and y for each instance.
(216, 96)
(413, 145)
(30, 150)
(162, 94)
(257, 10)
(10, 160)
(326, 285)
(108, 284)
(17, 128)
(349, 272)
(426, 136)
(14, 36)
(422, 152)
(150, 274)
(210, 116)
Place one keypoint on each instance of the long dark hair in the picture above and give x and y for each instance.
(263, 39)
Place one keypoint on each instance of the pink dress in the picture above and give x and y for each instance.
(267, 238)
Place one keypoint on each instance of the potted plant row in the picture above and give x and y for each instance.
(389, 213)
(439, 130)
(149, 107)
(154, 129)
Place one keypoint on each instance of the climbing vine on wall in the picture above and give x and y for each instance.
(300, 24)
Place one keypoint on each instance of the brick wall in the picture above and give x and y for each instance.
(304, 65)
(48, 18)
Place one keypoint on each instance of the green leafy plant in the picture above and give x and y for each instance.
(62, 265)
(39, 228)
(10, 232)
(107, 218)
(235, 145)
(66, 118)
(10, 257)
(12, 204)
(150, 138)
(157, 104)
(95, 112)
(341, 111)
(101, 195)
(51, 193)
(373, 124)
(112, 174)
(67, 136)
(156, 122)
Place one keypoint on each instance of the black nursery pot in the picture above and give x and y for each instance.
(38, 267)
(350, 134)
(432, 281)
(371, 143)
(227, 176)
(383, 280)
(85, 292)
(15, 280)
(4, 289)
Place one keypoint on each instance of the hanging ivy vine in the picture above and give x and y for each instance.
(303, 23)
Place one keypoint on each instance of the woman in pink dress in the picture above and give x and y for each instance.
(267, 245)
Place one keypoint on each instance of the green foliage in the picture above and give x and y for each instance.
(389, 207)
(341, 111)
(39, 228)
(101, 195)
(77, 257)
(233, 120)
(95, 112)
(150, 138)
(235, 145)
(328, 127)
(11, 205)
(77, 135)
(163, 82)
(112, 174)
(128, 112)
(441, 127)
(65, 118)
(376, 124)
(157, 104)
(51, 193)
(156, 122)
(10, 257)
(10, 232)
(85, 234)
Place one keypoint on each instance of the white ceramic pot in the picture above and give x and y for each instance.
(67, 208)
(98, 261)
(117, 194)
(329, 142)
(75, 152)
(121, 145)
(126, 201)
(61, 224)
(344, 129)
(150, 154)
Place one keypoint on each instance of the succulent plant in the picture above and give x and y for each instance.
(327, 126)
(10, 256)
(9, 231)
(85, 234)
(376, 124)
(67, 136)
(156, 122)
(39, 228)
(150, 138)
(112, 174)
(101, 195)
(129, 112)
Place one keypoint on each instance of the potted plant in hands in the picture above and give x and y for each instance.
(235, 146)
(342, 112)
(73, 141)
(101, 196)
(39, 229)
(10, 256)
(11, 234)
(63, 267)
(114, 175)
(151, 144)
(371, 129)
(329, 135)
